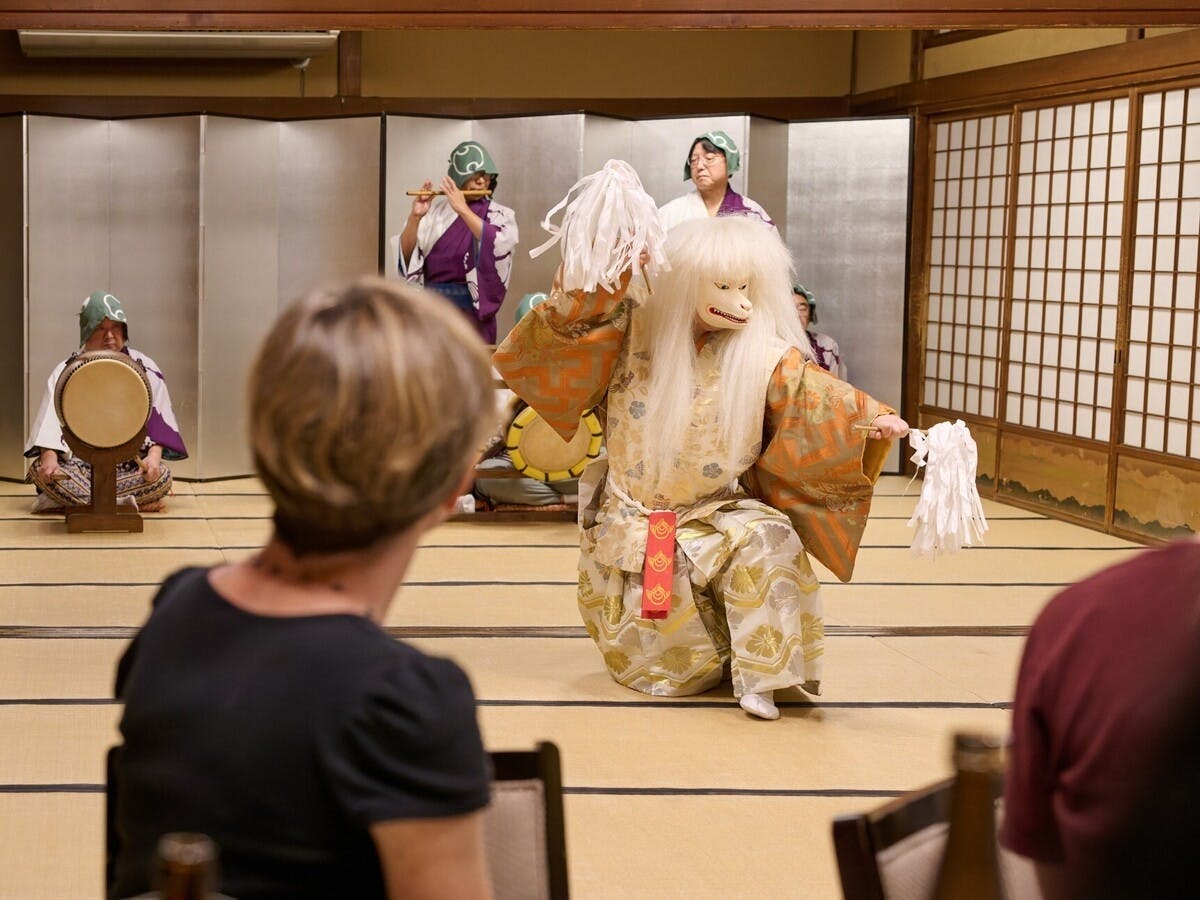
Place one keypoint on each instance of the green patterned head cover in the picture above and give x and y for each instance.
(528, 302)
(100, 305)
(724, 143)
(467, 159)
(801, 291)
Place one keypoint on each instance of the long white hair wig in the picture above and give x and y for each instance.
(736, 250)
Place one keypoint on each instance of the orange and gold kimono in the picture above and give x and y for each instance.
(744, 599)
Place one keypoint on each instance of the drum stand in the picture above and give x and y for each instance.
(102, 513)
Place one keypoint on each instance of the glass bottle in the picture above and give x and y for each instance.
(970, 868)
(187, 866)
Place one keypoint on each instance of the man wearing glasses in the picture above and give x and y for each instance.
(712, 159)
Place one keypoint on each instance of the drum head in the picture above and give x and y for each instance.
(103, 398)
(538, 452)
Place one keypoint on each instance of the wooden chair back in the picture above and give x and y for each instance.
(894, 852)
(524, 832)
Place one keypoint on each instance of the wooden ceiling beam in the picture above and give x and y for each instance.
(366, 15)
(275, 108)
(1174, 56)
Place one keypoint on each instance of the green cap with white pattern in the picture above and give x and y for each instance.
(470, 158)
(724, 143)
(100, 305)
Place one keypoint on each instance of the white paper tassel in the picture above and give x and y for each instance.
(949, 513)
(605, 228)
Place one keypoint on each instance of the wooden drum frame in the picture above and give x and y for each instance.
(103, 400)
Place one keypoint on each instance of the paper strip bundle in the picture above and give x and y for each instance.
(608, 220)
(949, 513)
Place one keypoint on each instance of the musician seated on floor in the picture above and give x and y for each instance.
(509, 491)
(63, 479)
(506, 490)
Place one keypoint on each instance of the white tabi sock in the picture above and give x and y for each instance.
(761, 705)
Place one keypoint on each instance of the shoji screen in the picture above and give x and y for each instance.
(1158, 467)
(1162, 398)
(1066, 268)
(967, 258)
(1062, 313)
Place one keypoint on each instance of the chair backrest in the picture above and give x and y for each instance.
(524, 832)
(894, 852)
(112, 843)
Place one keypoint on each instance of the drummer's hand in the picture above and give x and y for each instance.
(420, 204)
(454, 196)
(151, 466)
(889, 426)
(48, 463)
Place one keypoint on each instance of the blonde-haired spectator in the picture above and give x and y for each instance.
(265, 705)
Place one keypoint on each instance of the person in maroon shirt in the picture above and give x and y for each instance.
(1095, 690)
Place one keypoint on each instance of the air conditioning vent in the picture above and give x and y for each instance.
(291, 45)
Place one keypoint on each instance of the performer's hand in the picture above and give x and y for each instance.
(151, 466)
(48, 463)
(889, 426)
(454, 196)
(420, 205)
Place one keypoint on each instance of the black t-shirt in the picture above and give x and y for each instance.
(284, 739)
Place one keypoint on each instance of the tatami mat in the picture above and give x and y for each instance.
(81, 605)
(510, 606)
(705, 848)
(542, 670)
(1002, 532)
(915, 650)
(132, 565)
(933, 605)
(981, 565)
(837, 749)
(51, 846)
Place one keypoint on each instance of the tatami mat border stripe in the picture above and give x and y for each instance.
(573, 582)
(566, 546)
(150, 517)
(171, 517)
(661, 703)
(731, 792)
(572, 632)
(28, 490)
(567, 789)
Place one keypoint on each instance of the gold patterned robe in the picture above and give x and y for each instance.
(744, 596)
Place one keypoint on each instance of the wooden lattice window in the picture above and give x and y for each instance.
(1162, 397)
(1066, 267)
(967, 241)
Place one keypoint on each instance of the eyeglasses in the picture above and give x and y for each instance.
(706, 159)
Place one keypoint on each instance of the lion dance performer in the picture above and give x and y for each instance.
(731, 458)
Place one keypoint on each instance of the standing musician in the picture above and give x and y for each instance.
(65, 480)
(461, 244)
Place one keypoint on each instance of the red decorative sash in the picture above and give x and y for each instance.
(659, 569)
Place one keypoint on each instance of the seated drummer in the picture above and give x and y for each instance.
(65, 480)
(518, 491)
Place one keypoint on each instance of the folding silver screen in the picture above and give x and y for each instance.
(204, 226)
